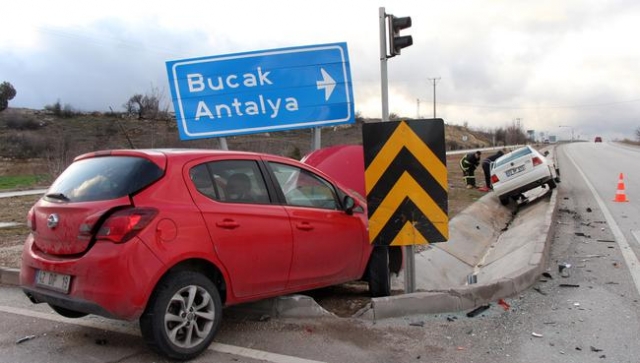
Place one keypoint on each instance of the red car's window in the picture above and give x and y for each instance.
(234, 181)
(104, 178)
(302, 188)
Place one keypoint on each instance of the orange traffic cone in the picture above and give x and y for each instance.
(620, 195)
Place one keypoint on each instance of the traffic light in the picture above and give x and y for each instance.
(396, 41)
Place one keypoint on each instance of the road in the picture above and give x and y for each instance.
(591, 315)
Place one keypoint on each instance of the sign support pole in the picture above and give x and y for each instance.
(316, 138)
(409, 256)
(223, 143)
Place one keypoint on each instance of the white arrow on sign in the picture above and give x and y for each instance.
(327, 83)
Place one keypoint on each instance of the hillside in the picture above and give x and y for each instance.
(45, 144)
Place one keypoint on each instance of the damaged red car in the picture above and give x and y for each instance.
(169, 237)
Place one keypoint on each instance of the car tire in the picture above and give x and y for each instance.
(378, 274)
(67, 313)
(504, 200)
(552, 184)
(183, 315)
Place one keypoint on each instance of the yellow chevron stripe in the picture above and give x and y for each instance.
(403, 136)
(406, 186)
(409, 235)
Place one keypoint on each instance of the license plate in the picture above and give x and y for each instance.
(52, 280)
(516, 170)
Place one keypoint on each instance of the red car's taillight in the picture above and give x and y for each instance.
(125, 224)
(494, 179)
(536, 161)
(31, 220)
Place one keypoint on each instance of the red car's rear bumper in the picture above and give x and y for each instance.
(103, 284)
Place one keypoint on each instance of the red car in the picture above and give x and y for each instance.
(169, 237)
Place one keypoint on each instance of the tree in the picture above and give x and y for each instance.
(394, 116)
(7, 93)
(146, 106)
(638, 133)
(500, 136)
(514, 134)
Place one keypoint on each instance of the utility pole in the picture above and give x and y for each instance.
(418, 108)
(434, 80)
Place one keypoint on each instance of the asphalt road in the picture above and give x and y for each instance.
(591, 315)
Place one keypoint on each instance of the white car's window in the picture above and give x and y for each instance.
(302, 188)
(517, 154)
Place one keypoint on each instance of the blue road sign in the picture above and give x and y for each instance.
(262, 91)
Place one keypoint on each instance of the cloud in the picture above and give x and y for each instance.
(547, 63)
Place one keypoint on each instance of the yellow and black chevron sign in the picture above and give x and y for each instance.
(406, 182)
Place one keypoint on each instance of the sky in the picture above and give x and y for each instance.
(560, 68)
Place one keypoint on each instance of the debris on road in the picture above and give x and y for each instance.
(569, 285)
(472, 279)
(537, 335)
(563, 268)
(477, 311)
(504, 304)
(24, 339)
(540, 291)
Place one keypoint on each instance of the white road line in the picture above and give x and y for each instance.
(630, 257)
(636, 235)
(218, 347)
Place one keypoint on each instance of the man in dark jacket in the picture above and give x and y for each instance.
(468, 164)
(486, 167)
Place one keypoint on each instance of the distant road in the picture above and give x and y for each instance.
(21, 193)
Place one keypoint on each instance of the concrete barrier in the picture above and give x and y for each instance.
(504, 265)
(9, 276)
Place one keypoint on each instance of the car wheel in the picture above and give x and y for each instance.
(378, 274)
(504, 200)
(182, 316)
(552, 184)
(67, 313)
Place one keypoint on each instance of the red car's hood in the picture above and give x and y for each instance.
(344, 163)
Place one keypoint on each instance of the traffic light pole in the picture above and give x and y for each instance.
(409, 260)
(383, 65)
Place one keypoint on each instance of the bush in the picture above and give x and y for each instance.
(22, 146)
(17, 122)
(63, 112)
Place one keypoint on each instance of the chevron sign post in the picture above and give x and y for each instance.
(406, 182)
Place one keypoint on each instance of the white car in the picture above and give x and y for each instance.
(519, 171)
